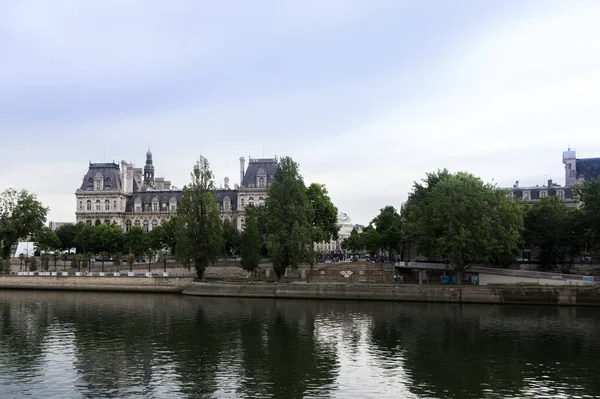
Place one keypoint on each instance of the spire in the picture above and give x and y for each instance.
(149, 170)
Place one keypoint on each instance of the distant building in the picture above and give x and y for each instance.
(576, 172)
(130, 196)
(345, 228)
(56, 225)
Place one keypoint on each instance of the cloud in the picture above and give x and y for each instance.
(367, 99)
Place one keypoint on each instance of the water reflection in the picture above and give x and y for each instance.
(75, 344)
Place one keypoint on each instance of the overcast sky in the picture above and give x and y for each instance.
(366, 95)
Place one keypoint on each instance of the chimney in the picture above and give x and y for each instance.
(242, 169)
(516, 184)
(226, 181)
(549, 183)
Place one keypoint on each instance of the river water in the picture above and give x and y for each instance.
(101, 345)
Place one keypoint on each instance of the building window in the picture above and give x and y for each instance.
(107, 222)
(561, 195)
(98, 185)
(242, 203)
(115, 205)
(226, 204)
(137, 223)
(251, 201)
(172, 204)
(146, 226)
(261, 181)
(155, 206)
(89, 205)
(543, 194)
(154, 224)
(128, 225)
(98, 205)
(511, 194)
(107, 205)
(526, 196)
(164, 206)
(80, 205)
(138, 205)
(89, 222)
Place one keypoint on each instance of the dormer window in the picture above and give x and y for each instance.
(98, 186)
(226, 204)
(561, 194)
(261, 181)
(526, 196)
(543, 193)
(138, 205)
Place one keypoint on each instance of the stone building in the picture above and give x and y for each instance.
(130, 196)
(576, 172)
(345, 228)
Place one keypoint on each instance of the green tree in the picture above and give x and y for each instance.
(323, 214)
(156, 239)
(546, 228)
(464, 221)
(46, 240)
(371, 240)
(169, 229)
(289, 229)
(353, 243)
(67, 235)
(231, 238)
(21, 216)
(589, 195)
(136, 241)
(87, 239)
(199, 237)
(389, 226)
(251, 240)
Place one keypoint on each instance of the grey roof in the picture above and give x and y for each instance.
(164, 196)
(109, 171)
(588, 168)
(268, 165)
(220, 195)
(534, 192)
(146, 197)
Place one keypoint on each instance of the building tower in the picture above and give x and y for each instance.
(570, 161)
(149, 171)
(242, 169)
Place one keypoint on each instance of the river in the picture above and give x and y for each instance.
(109, 345)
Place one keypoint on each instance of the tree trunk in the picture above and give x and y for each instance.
(458, 277)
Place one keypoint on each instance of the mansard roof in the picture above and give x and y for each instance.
(110, 173)
(221, 194)
(261, 165)
(588, 168)
(534, 192)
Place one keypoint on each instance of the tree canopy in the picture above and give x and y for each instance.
(21, 215)
(251, 240)
(289, 226)
(322, 214)
(199, 227)
(462, 220)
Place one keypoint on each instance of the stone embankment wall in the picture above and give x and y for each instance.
(84, 283)
(467, 294)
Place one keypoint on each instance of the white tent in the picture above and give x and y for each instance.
(25, 248)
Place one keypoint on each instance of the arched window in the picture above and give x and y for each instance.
(107, 222)
(98, 205)
(89, 206)
(107, 205)
(172, 204)
(98, 222)
(154, 224)
(261, 181)
(226, 204)
(242, 203)
(138, 205)
(128, 225)
(155, 204)
(146, 226)
(137, 223)
(88, 222)
(251, 201)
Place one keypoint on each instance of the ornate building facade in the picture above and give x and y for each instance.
(130, 196)
(345, 228)
(577, 170)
